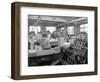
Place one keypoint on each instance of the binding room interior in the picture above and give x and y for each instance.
(57, 40)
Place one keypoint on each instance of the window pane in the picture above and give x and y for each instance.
(36, 29)
(84, 28)
(51, 29)
(71, 30)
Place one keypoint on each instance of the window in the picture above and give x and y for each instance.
(84, 28)
(71, 30)
(30, 28)
(51, 29)
(36, 29)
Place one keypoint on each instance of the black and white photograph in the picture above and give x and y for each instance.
(57, 40)
(50, 40)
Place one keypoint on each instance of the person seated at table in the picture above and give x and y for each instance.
(67, 37)
(31, 36)
(37, 46)
(44, 42)
(49, 35)
(31, 40)
(54, 35)
(38, 36)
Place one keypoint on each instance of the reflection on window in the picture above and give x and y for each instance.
(84, 28)
(36, 29)
(71, 30)
(51, 29)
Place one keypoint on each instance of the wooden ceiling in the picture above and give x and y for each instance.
(54, 20)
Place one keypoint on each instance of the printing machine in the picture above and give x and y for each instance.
(76, 53)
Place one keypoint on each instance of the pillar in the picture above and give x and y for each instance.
(43, 28)
(65, 31)
(58, 28)
(76, 29)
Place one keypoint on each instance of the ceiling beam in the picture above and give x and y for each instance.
(75, 21)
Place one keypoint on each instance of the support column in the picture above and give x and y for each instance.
(65, 31)
(76, 29)
(58, 28)
(43, 28)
